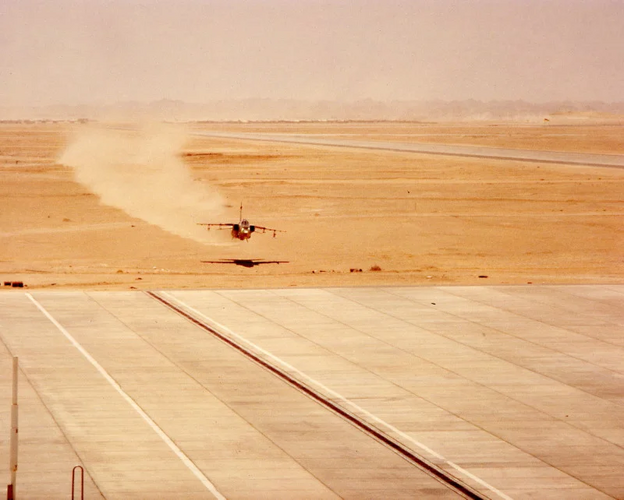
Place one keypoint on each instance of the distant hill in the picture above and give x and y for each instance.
(296, 110)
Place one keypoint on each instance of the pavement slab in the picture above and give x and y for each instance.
(515, 390)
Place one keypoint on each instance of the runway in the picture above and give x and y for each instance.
(510, 391)
(556, 157)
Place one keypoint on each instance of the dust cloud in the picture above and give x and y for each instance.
(140, 172)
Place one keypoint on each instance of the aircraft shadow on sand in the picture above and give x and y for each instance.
(244, 262)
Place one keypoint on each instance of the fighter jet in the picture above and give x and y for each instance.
(242, 230)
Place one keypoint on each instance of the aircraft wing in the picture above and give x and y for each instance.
(217, 225)
(263, 229)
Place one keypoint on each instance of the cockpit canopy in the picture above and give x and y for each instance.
(244, 224)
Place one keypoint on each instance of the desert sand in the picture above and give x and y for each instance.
(352, 217)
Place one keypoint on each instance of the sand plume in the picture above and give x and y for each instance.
(141, 172)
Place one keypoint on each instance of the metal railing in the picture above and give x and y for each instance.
(80, 470)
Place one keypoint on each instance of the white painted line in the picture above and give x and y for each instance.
(345, 402)
(185, 460)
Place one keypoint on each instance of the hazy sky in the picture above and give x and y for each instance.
(103, 51)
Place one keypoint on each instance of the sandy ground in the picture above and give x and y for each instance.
(418, 219)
